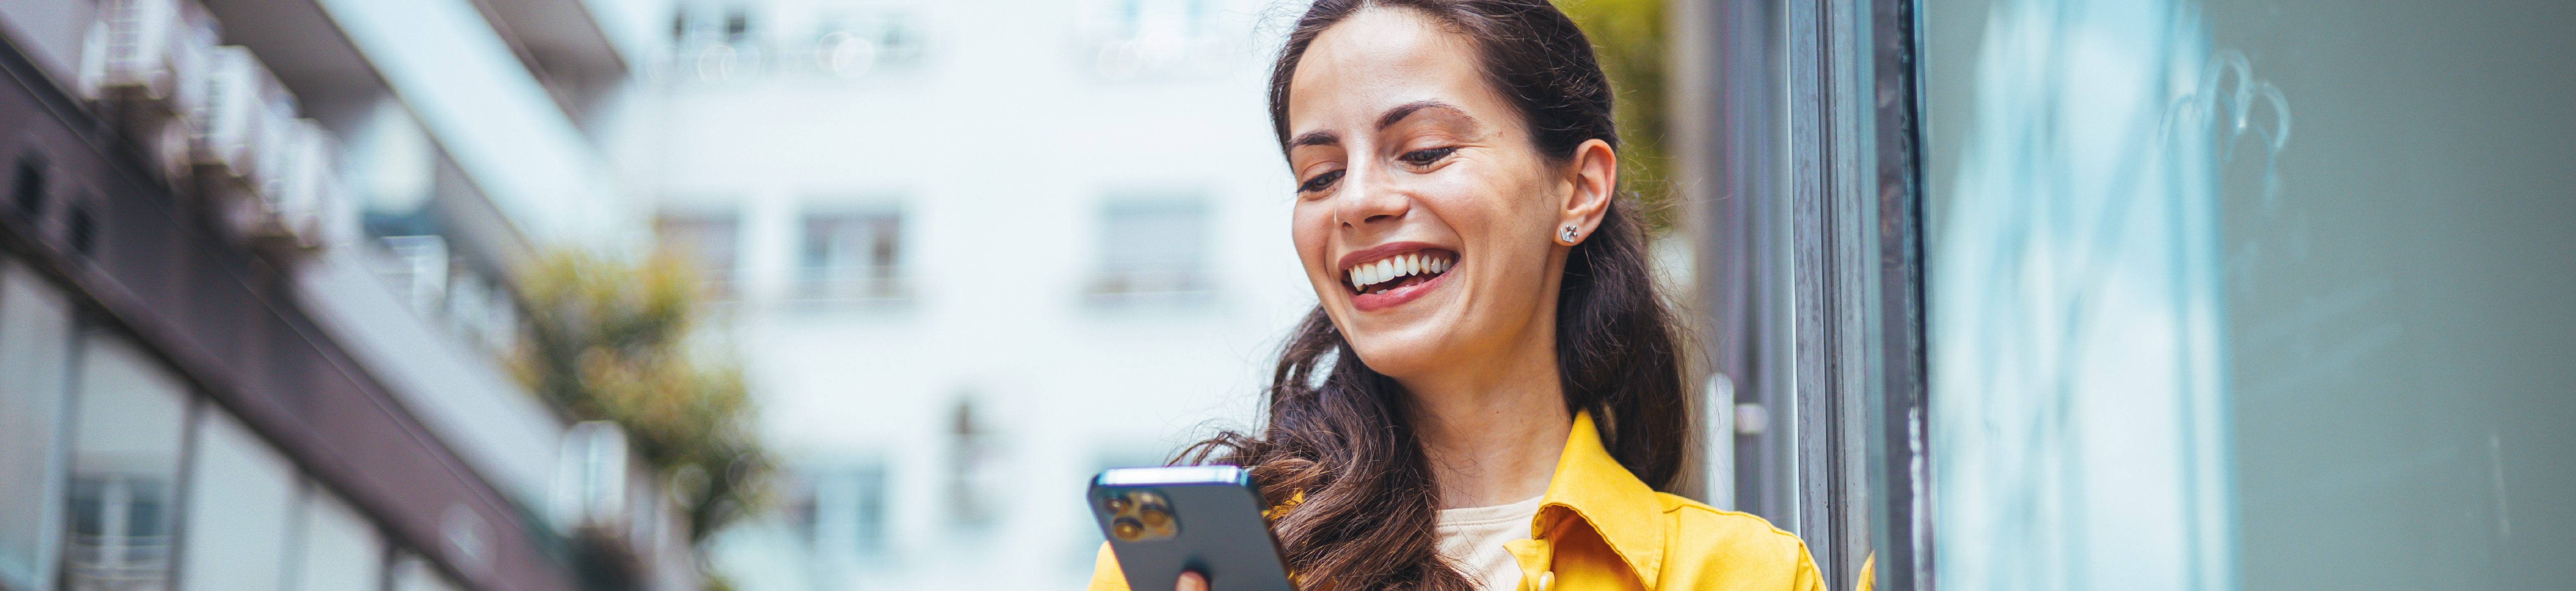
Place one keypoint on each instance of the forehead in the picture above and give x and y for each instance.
(1377, 60)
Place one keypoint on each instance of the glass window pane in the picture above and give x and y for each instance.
(340, 548)
(853, 255)
(35, 362)
(413, 573)
(125, 463)
(2263, 294)
(241, 498)
(1153, 246)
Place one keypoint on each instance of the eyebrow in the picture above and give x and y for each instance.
(1315, 138)
(1392, 117)
(1397, 114)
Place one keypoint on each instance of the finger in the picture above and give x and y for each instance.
(1191, 581)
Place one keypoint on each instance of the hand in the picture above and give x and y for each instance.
(1191, 581)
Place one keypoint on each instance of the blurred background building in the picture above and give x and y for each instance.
(1991, 294)
(971, 253)
(258, 292)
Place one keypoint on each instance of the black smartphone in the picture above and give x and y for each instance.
(1161, 521)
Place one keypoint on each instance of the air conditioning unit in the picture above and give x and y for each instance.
(298, 205)
(246, 118)
(309, 205)
(247, 150)
(153, 59)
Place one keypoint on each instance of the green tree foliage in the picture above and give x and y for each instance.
(607, 342)
(1629, 36)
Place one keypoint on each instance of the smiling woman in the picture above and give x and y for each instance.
(1488, 393)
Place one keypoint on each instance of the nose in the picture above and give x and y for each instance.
(1366, 199)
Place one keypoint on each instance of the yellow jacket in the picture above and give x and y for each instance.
(1600, 528)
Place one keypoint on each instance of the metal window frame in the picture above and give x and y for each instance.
(1798, 135)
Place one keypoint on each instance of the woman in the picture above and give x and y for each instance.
(1487, 395)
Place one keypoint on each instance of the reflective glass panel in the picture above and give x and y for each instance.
(241, 502)
(339, 549)
(35, 370)
(413, 573)
(2255, 295)
(125, 468)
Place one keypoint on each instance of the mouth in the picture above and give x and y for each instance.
(1385, 277)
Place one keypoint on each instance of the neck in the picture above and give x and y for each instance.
(1493, 441)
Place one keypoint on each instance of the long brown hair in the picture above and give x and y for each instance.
(1340, 434)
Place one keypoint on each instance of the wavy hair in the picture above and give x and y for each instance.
(1338, 434)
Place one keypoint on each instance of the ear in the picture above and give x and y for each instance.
(1594, 174)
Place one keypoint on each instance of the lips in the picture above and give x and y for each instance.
(1393, 274)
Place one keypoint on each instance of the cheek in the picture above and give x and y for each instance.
(1311, 228)
(1489, 211)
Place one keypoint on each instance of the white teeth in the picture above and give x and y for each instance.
(1394, 267)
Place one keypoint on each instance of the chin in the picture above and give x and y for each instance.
(1399, 355)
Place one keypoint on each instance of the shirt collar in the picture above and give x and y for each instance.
(1593, 487)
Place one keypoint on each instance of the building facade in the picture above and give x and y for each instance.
(255, 296)
(975, 252)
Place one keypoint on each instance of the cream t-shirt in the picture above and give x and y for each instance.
(1474, 537)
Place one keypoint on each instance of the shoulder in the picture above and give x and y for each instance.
(1708, 544)
(1104, 572)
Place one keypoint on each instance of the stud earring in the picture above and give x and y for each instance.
(1570, 233)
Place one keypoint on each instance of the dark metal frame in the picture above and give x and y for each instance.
(1897, 413)
(1808, 204)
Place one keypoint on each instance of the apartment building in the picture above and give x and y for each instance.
(255, 292)
(974, 252)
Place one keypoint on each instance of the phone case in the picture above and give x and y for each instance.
(1160, 521)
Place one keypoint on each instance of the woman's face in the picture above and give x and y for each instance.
(1426, 219)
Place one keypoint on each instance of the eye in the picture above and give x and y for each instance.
(1319, 182)
(1426, 157)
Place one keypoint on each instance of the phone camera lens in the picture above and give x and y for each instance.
(1154, 516)
(1118, 504)
(1127, 528)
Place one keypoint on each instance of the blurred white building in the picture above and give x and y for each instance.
(976, 252)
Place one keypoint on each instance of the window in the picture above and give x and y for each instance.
(341, 551)
(411, 572)
(241, 498)
(852, 256)
(850, 46)
(125, 469)
(2250, 296)
(840, 511)
(975, 480)
(1146, 39)
(1152, 248)
(720, 45)
(417, 272)
(35, 356)
(706, 241)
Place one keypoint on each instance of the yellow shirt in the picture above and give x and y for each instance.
(1600, 528)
